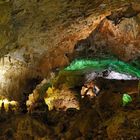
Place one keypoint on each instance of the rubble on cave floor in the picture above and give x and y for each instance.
(102, 117)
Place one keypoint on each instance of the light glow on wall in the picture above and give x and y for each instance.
(8, 103)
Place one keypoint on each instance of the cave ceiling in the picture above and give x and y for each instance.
(40, 33)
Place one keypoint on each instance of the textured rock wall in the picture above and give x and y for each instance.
(42, 31)
(120, 40)
(7, 36)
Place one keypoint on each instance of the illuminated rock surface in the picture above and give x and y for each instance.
(102, 65)
(39, 38)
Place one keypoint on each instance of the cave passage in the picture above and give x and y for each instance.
(69, 70)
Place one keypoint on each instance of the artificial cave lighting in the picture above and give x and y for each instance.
(126, 99)
(106, 68)
(7, 105)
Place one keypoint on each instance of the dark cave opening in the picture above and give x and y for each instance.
(29, 87)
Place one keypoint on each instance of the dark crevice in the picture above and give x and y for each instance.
(28, 89)
(118, 16)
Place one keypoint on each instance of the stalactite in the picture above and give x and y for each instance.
(3, 61)
(9, 58)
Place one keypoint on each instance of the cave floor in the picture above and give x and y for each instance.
(100, 118)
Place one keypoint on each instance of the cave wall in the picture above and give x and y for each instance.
(37, 31)
(108, 39)
(42, 34)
